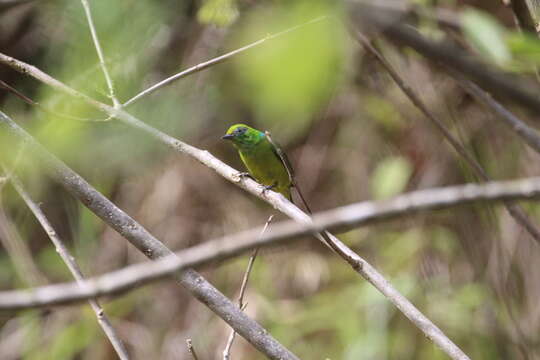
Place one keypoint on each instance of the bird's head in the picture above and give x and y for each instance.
(243, 136)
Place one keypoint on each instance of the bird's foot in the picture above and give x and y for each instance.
(267, 187)
(242, 175)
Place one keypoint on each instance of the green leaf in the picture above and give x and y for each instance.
(486, 35)
(290, 77)
(524, 46)
(73, 338)
(390, 177)
(218, 12)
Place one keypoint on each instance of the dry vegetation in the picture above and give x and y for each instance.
(351, 134)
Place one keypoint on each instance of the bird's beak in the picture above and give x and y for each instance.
(227, 137)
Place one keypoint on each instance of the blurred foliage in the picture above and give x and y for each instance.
(390, 177)
(351, 135)
(295, 75)
(218, 12)
(486, 34)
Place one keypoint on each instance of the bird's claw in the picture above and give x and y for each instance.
(242, 175)
(266, 188)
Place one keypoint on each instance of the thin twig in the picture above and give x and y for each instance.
(525, 22)
(241, 305)
(368, 13)
(279, 202)
(95, 39)
(70, 262)
(17, 93)
(528, 134)
(340, 219)
(7, 4)
(150, 246)
(215, 61)
(41, 107)
(191, 349)
(514, 210)
(524, 16)
(18, 251)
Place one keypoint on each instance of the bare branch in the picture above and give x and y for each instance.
(145, 242)
(29, 101)
(99, 51)
(191, 349)
(276, 200)
(19, 253)
(340, 219)
(70, 262)
(17, 93)
(241, 305)
(517, 89)
(528, 134)
(514, 210)
(7, 4)
(524, 15)
(215, 61)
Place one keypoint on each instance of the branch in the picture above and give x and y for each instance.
(388, 23)
(18, 251)
(274, 199)
(139, 237)
(241, 305)
(215, 61)
(31, 102)
(191, 349)
(7, 4)
(525, 18)
(70, 262)
(340, 219)
(515, 211)
(95, 39)
(528, 134)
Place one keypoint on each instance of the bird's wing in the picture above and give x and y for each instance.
(282, 157)
(287, 164)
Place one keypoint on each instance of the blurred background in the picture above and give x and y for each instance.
(351, 135)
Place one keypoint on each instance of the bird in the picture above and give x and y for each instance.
(268, 164)
(263, 158)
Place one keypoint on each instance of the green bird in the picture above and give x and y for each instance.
(268, 164)
(263, 159)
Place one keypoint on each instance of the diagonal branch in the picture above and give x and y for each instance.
(145, 242)
(528, 134)
(18, 250)
(243, 287)
(276, 200)
(41, 107)
(524, 14)
(215, 61)
(99, 51)
(191, 349)
(520, 90)
(70, 262)
(514, 210)
(343, 218)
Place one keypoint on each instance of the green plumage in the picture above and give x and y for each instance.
(261, 158)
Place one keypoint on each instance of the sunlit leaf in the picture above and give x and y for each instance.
(390, 177)
(524, 47)
(290, 77)
(218, 12)
(383, 112)
(487, 35)
(72, 339)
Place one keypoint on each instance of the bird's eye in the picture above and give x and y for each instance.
(241, 130)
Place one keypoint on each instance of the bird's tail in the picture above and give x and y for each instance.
(323, 235)
(304, 202)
